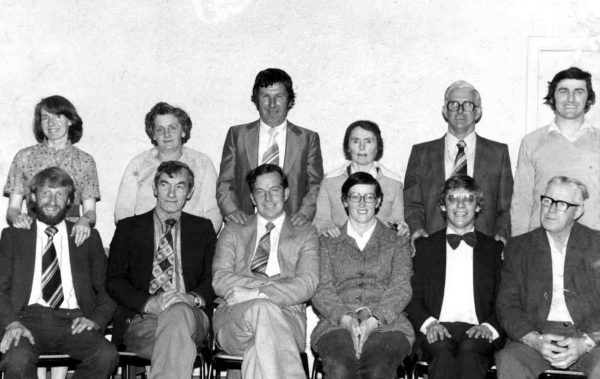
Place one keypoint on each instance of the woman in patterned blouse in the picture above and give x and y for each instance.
(57, 126)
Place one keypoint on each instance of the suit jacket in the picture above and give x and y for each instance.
(425, 176)
(298, 254)
(525, 294)
(132, 256)
(303, 166)
(88, 268)
(430, 278)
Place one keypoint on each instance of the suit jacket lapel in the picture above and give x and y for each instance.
(144, 234)
(542, 261)
(250, 238)
(285, 239)
(75, 258)
(576, 246)
(481, 157)
(28, 256)
(292, 147)
(251, 143)
(480, 271)
(438, 269)
(438, 163)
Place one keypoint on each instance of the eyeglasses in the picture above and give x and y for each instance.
(466, 106)
(455, 199)
(562, 206)
(357, 197)
(273, 191)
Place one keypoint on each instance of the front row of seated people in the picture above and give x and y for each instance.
(53, 297)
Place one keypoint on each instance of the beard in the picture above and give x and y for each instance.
(50, 219)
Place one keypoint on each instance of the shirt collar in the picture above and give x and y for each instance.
(374, 170)
(586, 126)
(351, 231)
(451, 140)
(261, 222)
(264, 128)
(41, 226)
(158, 218)
(450, 230)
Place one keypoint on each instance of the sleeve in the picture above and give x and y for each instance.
(209, 196)
(314, 176)
(7, 250)
(492, 319)
(204, 287)
(414, 209)
(15, 182)
(323, 219)
(226, 196)
(127, 193)
(505, 192)
(398, 204)
(89, 178)
(418, 313)
(104, 306)
(522, 201)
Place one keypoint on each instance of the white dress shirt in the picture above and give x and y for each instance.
(264, 137)
(261, 228)
(451, 150)
(558, 306)
(361, 241)
(61, 245)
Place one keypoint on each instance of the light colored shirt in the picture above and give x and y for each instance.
(459, 294)
(451, 150)
(159, 229)
(261, 228)
(546, 153)
(135, 195)
(361, 241)
(61, 245)
(558, 306)
(264, 137)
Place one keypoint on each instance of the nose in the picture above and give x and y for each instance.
(553, 208)
(268, 195)
(571, 97)
(460, 203)
(171, 192)
(361, 145)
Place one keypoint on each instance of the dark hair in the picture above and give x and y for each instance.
(361, 178)
(369, 126)
(461, 182)
(262, 170)
(163, 109)
(172, 168)
(269, 77)
(53, 177)
(60, 106)
(571, 73)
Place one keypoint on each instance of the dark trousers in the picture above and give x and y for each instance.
(459, 356)
(51, 330)
(379, 359)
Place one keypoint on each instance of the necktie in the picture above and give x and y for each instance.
(272, 153)
(460, 163)
(261, 256)
(52, 292)
(164, 261)
(454, 239)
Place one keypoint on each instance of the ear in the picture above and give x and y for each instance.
(253, 199)
(579, 212)
(154, 189)
(445, 112)
(477, 209)
(478, 114)
(443, 207)
(286, 194)
(190, 193)
(33, 197)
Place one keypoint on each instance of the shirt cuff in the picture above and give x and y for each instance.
(494, 331)
(426, 324)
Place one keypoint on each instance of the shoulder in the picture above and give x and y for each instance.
(133, 221)
(82, 154)
(424, 245)
(428, 145)
(301, 130)
(490, 144)
(24, 153)
(242, 128)
(488, 243)
(196, 156)
(197, 221)
(388, 174)
(535, 136)
(337, 172)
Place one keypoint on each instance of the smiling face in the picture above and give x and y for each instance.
(172, 193)
(362, 146)
(55, 127)
(361, 212)
(273, 104)
(461, 208)
(168, 132)
(460, 122)
(51, 204)
(570, 99)
(555, 221)
(269, 196)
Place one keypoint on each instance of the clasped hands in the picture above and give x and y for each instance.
(561, 352)
(359, 331)
(437, 331)
(158, 303)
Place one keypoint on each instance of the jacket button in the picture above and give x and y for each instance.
(361, 284)
(361, 274)
(127, 320)
(360, 298)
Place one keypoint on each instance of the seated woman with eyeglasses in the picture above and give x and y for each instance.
(364, 287)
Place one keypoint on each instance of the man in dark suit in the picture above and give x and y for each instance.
(457, 275)
(460, 151)
(159, 272)
(264, 273)
(549, 299)
(271, 139)
(52, 295)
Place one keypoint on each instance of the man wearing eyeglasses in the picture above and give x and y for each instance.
(460, 151)
(264, 271)
(549, 299)
(456, 280)
(569, 145)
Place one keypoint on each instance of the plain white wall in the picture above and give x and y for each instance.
(388, 61)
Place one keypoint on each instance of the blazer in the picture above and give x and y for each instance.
(425, 176)
(132, 256)
(378, 277)
(303, 167)
(88, 268)
(525, 293)
(298, 254)
(430, 277)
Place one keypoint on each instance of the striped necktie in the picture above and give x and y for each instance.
(271, 155)
(460, 163)
(261, 256)
(52, 291)
(164, 262)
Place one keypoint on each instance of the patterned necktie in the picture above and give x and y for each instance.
(454, 239)
(460, 163)
(261, 256)
(52, 291)
(164, 261)
(272, 153)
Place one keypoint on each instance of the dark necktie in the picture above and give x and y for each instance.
(261, 256)
(454, 239)
(460, 163)
(52, 291)
(164, 262)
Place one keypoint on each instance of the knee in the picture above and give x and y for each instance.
(440, 348)
(339, 368)
(265, 309)
(472, 346)
(378, 370)
(505, 358)
(178, 310)
(106, 355)
(18, 358)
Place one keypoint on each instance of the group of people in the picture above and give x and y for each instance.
(388, 268)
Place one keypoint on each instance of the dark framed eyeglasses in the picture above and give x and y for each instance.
(455, 199)
(561, 205)
(466, 106)
(368, 198)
